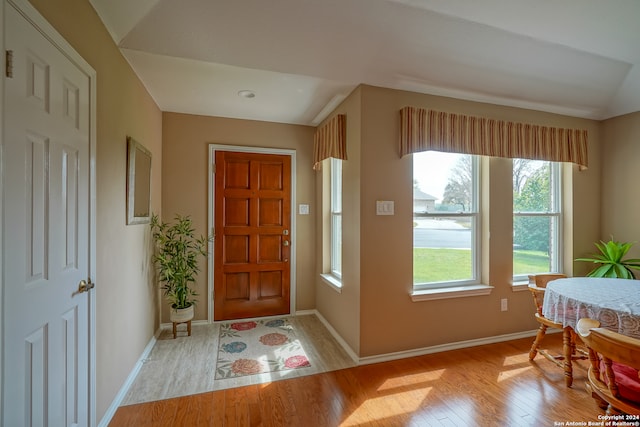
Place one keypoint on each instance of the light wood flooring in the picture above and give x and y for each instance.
(186, 365)
(490, 385)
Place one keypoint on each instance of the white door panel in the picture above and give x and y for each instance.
(46, 233)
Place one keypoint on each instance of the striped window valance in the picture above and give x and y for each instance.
(422, 130)
(330, 140)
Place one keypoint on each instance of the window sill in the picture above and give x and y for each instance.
(453, 292)
(520, 286)
(332, 282)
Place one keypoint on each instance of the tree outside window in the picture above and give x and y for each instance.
(536, 220)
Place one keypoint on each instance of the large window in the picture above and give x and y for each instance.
(336, 218)
(536, 217)
(445, 220)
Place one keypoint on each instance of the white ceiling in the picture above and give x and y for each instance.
(301, 57)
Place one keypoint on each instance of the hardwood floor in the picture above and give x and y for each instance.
(491, 385)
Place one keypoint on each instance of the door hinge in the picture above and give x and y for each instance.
(213, 168)
(8, 57)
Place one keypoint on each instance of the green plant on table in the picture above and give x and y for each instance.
(176, 258)
(611, 260)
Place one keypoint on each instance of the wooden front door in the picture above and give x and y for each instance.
(252, 235)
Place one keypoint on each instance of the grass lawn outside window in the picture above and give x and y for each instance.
(437, 265)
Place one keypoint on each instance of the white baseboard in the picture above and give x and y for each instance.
(352, 354)
(444, 347)
(418, 351)
(108, 415)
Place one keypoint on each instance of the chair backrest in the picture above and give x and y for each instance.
(537, 285)
(616, 353)
(541, 280)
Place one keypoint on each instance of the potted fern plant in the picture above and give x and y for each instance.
(176, 259)
(611, 262)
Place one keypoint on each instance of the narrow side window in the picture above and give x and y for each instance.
(336, 218)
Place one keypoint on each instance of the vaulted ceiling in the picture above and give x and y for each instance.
(302, 57)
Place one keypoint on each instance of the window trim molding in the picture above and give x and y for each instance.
(421, 291)
(332, 281)
(335, 180)
(557, 212)
(519, 286)
(450, 292)
(328, 275)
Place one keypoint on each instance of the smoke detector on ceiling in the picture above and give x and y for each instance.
(247, 93)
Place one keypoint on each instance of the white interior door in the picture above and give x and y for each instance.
(45, 163)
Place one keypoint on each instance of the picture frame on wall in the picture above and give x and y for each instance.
(138, 183)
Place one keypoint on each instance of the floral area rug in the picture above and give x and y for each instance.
(255, 347)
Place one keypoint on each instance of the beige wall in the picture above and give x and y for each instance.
(186, 140)
(620, 176)
(584, 203)
(388, 320)
(126, 297)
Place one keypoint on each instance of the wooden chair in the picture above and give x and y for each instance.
(537, 286)
(613, 375)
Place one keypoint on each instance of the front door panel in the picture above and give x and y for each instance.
(252, 242)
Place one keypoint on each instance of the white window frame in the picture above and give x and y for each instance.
(555, 213)
(336, 218)
(475, 217)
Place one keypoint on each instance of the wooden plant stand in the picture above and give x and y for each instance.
(175, 328)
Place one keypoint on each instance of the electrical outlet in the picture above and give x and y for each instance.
(503, 304)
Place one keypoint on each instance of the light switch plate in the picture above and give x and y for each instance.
(303, 209)
(384, 207)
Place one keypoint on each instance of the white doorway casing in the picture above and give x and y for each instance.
(211, 221)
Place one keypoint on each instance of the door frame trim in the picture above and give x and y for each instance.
(37, 20)
(211, 215)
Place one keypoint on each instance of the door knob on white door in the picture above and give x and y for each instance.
(85, 286)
